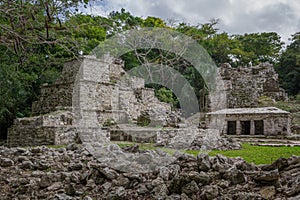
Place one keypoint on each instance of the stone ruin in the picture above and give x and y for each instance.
(113, 106)
(245, 85)
(243, 115)
(72, 173)
(266, 121)
(116, 105)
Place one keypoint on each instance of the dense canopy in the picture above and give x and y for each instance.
(37, 37)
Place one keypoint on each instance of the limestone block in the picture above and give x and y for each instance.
(103, 96)
(95, 70)
(116, 71)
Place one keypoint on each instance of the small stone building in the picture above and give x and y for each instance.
(268, 121)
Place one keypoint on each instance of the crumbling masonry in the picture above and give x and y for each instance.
(244, 87)
(117, 99)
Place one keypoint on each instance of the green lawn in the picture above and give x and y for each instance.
(255, 154)
(260, 154)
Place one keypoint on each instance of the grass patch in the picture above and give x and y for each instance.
(259, 154)
(255, 154)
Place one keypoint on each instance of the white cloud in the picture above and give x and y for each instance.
(237, 16)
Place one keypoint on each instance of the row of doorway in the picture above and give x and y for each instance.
(245, 127)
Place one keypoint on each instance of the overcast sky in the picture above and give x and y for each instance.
(236, 16)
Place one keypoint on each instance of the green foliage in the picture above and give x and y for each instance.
(109, 122)
(166, 95)
(290, 106)
(37, 37)
(265, 101)
(260, 47)
(284, 106)
(153, 22)
(256, 154)
(123, 21)
(297, 98)
(288, 66)
(143, 121)
(33, 47)
(88, 31)
(221, 47)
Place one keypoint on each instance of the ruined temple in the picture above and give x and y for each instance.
(100, 96)
(243, 87)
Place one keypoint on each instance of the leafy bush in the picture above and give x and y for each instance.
(143, 120)
(166, 95)
(265, 101)
(297, 98)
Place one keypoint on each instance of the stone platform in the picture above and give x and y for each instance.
(159, 135)
(274, 141)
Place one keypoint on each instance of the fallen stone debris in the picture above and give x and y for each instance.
(73, 173)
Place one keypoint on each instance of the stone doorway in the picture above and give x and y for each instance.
(231, 128)
(245, 127)
(259, 127)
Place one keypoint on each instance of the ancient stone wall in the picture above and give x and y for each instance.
(55, 128)
(244, 85)
(96, 92)
(58, 95)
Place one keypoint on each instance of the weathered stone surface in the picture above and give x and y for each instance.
(244, 85)
(54, 128)
(190, 188)
(211, 140)
(27, 164)
(268, 192)
(75, 166)
(107, 97)
(109, 173)
(182, 179)
(270, 177)
(210, 192)
(6, 162)
(203, 162)
(245, 121)
(96, 172)
(235, 176)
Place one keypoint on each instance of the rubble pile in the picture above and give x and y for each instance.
(73, 173)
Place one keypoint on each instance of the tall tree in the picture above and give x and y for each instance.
(33, 46)
(260, 47)
(288, 66)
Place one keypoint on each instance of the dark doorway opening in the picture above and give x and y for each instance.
(259, 127)
(245, 127)
(231, 127)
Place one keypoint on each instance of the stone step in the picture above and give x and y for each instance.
(276, 144)
(134, 135)
(93, 134)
